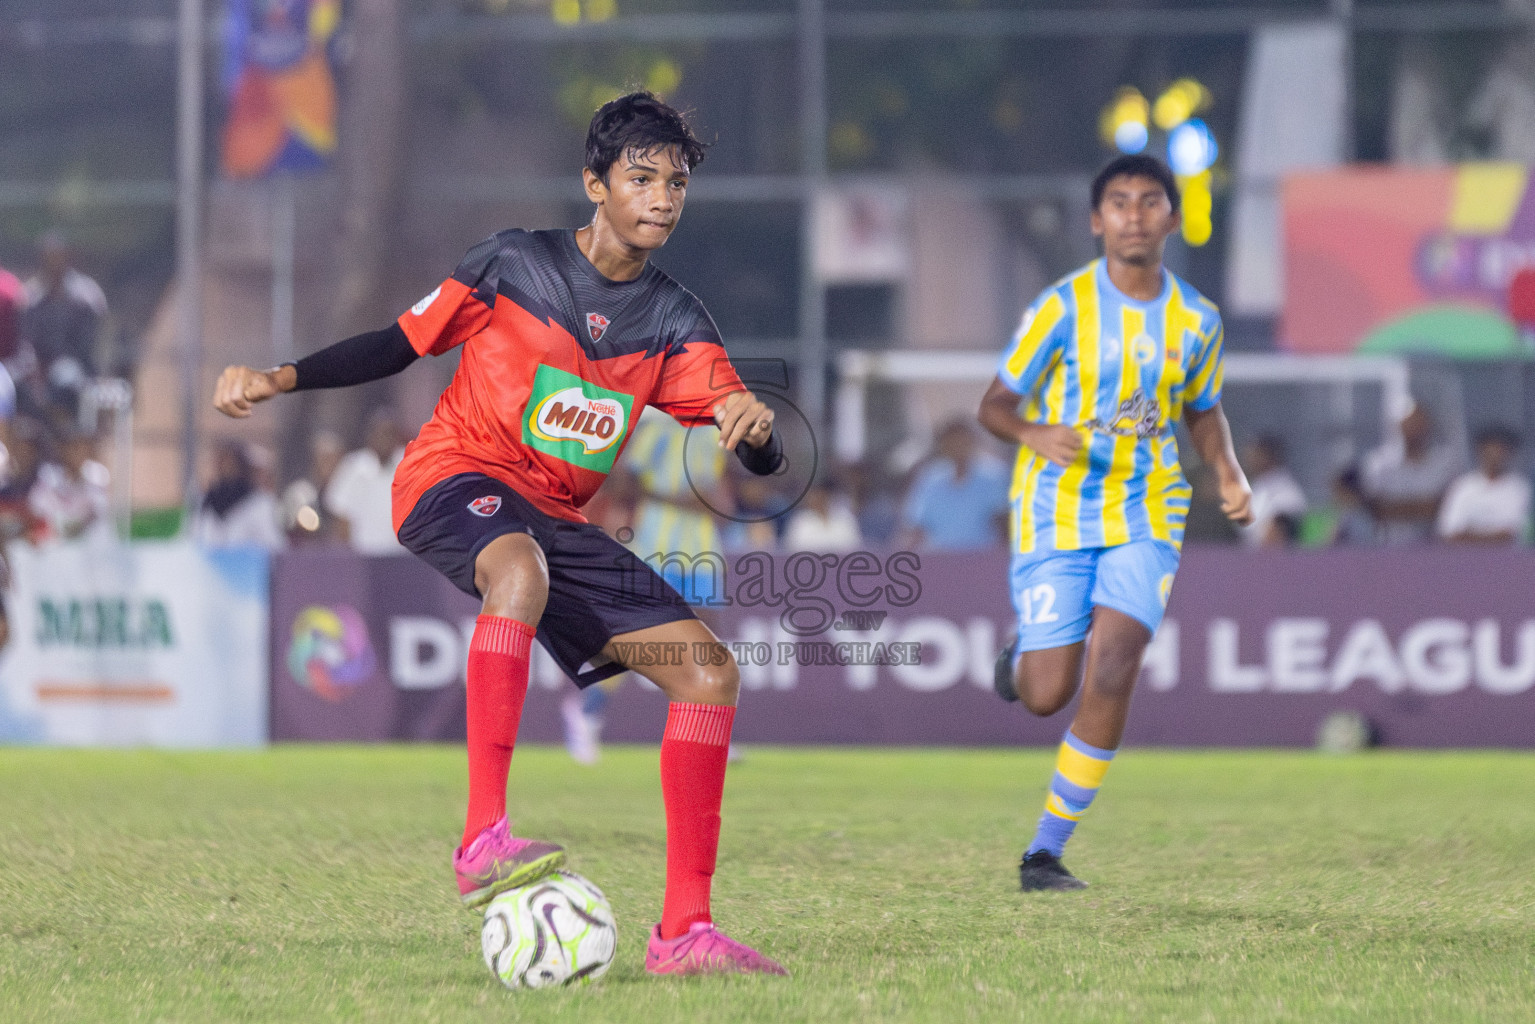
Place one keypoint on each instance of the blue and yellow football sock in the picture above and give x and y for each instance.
(1079, 771)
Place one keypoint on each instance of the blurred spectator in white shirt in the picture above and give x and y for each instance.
(1405, 479)
(303, 514)
(239, 508)
(823, 521)
(359, 492)
(71, 497)
(1278, 503)
(1490, 504)
(23, 461)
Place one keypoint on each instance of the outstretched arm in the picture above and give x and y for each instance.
(357, 360)
(1212, 440)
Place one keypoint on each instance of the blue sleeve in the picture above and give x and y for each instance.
(1036, 344)
(1206, 372)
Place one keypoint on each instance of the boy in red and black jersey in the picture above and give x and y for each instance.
(563, 361)
(567, 336)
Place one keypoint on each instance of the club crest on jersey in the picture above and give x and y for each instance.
(596, 325)
(575, 420)
(486, 506)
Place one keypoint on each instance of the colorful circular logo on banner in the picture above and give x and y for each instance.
(331, 653)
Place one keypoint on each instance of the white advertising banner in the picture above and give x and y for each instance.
(148, 644)
(862, 234)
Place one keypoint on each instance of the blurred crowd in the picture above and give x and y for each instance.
(56, 340)
(1416, 488)
(667, 496)
(340, 497)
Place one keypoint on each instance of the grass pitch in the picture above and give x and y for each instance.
(305, 884)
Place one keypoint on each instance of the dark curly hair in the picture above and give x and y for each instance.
(639, 121)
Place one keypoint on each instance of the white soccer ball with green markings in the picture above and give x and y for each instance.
(557, 931)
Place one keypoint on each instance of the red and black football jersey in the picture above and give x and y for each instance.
(558, 362)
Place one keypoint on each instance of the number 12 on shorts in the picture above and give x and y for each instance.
(1039, 605)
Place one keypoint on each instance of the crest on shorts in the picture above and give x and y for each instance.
(596, 325)
(486, 506)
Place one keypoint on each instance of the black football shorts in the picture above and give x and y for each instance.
(598, 589)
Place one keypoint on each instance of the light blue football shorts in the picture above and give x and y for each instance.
(1054, 591)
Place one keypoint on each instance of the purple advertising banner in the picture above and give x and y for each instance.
(1435, 647)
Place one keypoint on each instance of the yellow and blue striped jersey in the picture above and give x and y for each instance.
(658, 455)
(1121, 372)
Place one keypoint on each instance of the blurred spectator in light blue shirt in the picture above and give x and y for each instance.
(876, 502)
(958, 502)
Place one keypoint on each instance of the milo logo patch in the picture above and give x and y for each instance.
(575, 420)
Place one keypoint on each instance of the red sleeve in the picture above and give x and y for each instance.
(694, 381)
(445, 319)
(458, 308)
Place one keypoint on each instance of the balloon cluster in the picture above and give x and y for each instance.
(1126, 125)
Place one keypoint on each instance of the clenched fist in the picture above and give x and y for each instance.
(1053, 441)
(239, 388)
(1237, 499)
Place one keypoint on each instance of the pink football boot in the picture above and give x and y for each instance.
(496, 862)
(704, 949)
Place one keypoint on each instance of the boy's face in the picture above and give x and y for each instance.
(1494, 457)
(641, 201)
(1134, 218)
(1259, 459)
(956, 445)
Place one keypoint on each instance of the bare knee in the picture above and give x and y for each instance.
(1045, 700)
(1047, 680)
(712, 678)
(513, 578)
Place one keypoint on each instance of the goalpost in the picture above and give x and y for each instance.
(858, 369)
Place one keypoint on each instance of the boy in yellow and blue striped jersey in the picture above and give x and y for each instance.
(1104, 365)
(681, 491)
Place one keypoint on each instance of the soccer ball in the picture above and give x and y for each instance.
(558, 930)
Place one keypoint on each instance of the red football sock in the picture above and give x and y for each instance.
(693, 754)
(498, 684)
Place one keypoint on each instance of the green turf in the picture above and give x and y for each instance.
(307, 884)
